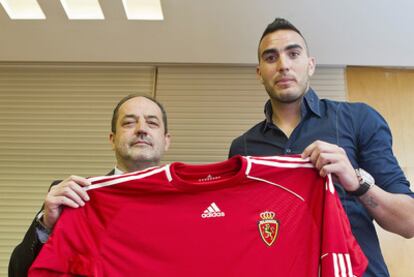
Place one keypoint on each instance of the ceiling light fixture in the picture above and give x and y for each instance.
(23, 9)
(143, 9)
(82, 9)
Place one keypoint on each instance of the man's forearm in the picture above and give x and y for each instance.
(393, 212)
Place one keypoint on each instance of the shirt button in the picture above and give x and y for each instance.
(288, 151)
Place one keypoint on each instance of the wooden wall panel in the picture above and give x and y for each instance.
(391, 92)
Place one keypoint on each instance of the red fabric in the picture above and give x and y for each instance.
(164, 222)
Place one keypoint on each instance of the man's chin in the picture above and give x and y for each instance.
(288, 95)
(286, 98)
(144, 158)
(290, 99)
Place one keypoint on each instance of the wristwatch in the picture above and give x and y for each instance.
(366, 181)
(39, 223)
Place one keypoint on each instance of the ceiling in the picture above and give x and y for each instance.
(348, 32)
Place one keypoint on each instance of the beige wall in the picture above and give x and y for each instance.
(391, 92)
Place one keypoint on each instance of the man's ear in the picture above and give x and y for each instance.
(259, 74)
(112, 140)
(167, 141)
(312, 66)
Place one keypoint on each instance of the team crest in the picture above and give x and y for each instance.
(268, 227)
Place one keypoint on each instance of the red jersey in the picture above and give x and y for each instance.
(247, 216)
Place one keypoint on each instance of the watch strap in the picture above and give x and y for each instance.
(366, 181)
(40, 225)
(363, 188)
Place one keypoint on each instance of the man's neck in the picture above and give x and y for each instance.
(135, 167)
(286, 116)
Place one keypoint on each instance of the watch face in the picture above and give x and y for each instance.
(39, 224)
(366, 181)
(365, 177)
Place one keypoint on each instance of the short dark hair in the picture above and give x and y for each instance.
(115, 113)
(278, 24)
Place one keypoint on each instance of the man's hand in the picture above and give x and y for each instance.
(69, 193)
(330, 158)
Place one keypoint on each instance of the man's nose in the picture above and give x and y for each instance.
(283, 63)
(141, 127)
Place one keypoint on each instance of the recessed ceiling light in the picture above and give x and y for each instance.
(143, 9)
(82, 9)
(23, 9)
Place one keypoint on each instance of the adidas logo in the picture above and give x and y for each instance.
(209, 178)
(212, 211)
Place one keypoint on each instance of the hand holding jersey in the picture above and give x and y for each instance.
(331, 159)
(68, 193)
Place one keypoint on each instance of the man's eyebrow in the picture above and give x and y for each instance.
(293, 46)
(275, 51)
(151, 117)
(269, 51)
(129, 116)
(147, 117)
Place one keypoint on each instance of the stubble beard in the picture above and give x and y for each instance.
(150, 156)
(138, 159)
(287, 98)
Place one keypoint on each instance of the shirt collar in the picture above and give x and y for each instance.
(312, 102)
(117, 171)
(309, 104)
